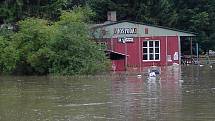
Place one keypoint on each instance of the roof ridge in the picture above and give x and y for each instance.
(134, 22)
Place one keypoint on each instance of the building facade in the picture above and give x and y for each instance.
(132, 45)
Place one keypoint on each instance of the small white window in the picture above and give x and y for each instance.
(151, 50)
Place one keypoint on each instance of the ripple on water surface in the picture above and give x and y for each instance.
(178, 94)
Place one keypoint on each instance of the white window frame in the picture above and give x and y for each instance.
(148, 50)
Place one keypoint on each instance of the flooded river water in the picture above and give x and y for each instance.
(184, 93)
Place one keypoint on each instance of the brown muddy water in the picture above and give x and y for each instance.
(185, 93)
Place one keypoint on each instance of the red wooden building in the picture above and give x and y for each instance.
(132, 45)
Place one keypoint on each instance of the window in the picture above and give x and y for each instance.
(146, 31)
(151, 50)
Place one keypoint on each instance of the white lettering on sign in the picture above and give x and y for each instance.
(125, 31)
(129, 39)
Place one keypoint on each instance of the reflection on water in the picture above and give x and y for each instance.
(178, 94)
(151, 98)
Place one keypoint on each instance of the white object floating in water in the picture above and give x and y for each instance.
(152, 74)
(201, 65)
(211, 66)
(152, 79)
(139, 76)
(181, 81)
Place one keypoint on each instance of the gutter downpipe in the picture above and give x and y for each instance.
(179, 49)
(140, 60)
(126, 59)
(166, 53)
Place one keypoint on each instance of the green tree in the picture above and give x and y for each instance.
(62, 47)
(100, 7)
(15, 10)
(31, 42)
(166, 13)
(74, 52)
(8, 56)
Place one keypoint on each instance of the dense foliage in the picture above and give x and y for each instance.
(38, 45)
(61, 47)
(190, 15)
(13, 10)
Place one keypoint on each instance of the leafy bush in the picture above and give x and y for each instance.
(62, 47)
(31, 42)
(74, 52)
(8, 55)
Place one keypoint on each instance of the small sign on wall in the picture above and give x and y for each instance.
(169, 59)
(175, 56)
(129, 39)
(126, 39)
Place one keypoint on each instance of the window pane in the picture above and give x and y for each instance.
(156, 56)
(156, 50)
(145, 50)
(151, 50)
(151, 56)
(150, 43)
(156, 43)
(145, 57)
(144, 43)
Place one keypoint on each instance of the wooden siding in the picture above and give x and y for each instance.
(168, 46)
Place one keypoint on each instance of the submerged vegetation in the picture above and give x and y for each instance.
(61, 47)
